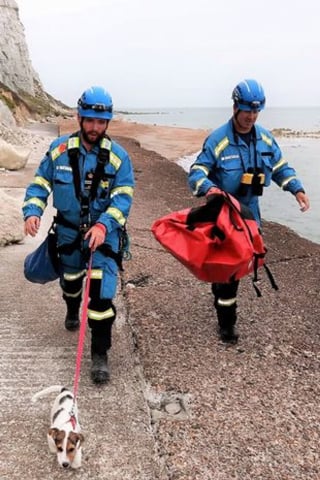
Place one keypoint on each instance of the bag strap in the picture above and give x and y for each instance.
(256, 256)
(271, 277)
(256, 279)
(234, 208)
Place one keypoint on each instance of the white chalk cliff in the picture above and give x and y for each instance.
(16, 71)
(22, 97)
(21, 93)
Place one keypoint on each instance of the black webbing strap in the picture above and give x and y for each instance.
(69, 248)
(108, 252)
(102, 161)
(74, 154)
(271, 277)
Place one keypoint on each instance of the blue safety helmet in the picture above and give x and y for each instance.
(248, 95)
(95, 102)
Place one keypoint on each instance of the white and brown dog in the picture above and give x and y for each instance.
(64, 437)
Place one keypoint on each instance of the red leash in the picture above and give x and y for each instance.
(83, 326)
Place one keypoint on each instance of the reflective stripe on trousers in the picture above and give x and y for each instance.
(225, 302)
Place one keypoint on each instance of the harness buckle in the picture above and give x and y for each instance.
(84, 227)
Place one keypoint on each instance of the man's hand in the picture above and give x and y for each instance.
(303, 201)
(31, 226)
(97, 235)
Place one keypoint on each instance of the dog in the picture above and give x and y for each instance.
(64, 435)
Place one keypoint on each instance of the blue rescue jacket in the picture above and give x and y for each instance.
(225, 157)
(110, 206)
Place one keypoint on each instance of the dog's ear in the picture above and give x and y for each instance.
(76, 438)
(53, 432)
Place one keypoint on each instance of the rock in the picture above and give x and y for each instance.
(173, 408)
(6, 116)
(13, 157)
(10, 220)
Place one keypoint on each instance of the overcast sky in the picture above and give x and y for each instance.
(166, 53)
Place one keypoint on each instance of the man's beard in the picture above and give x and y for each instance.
(86, 138)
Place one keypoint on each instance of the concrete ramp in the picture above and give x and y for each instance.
(36, 351)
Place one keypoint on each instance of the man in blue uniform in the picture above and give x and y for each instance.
(241, 158)
(91, 179)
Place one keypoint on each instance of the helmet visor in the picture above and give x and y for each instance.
(253, 105)
(96, 107)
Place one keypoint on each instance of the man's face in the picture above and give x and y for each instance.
(93, 129)
(244, 121)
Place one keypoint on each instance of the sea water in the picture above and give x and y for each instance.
(294, 118)
(301, 153)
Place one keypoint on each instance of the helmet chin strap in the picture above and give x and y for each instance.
(236, 112)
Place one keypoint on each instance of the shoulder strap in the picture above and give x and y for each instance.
(102, 161)
(74, 153)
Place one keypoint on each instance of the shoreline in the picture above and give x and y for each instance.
(181, 145)
(172, 142)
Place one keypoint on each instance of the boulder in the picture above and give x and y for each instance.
(6, 117)
(11, 222)
(13, 157)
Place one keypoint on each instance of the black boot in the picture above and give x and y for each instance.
(100, 344)
(228, 334)
(226, 307)
(99, 369)
(72, 320)
(227, 318)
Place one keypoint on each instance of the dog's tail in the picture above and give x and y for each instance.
(46, 391)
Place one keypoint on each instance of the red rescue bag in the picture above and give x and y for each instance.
(218, 242)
